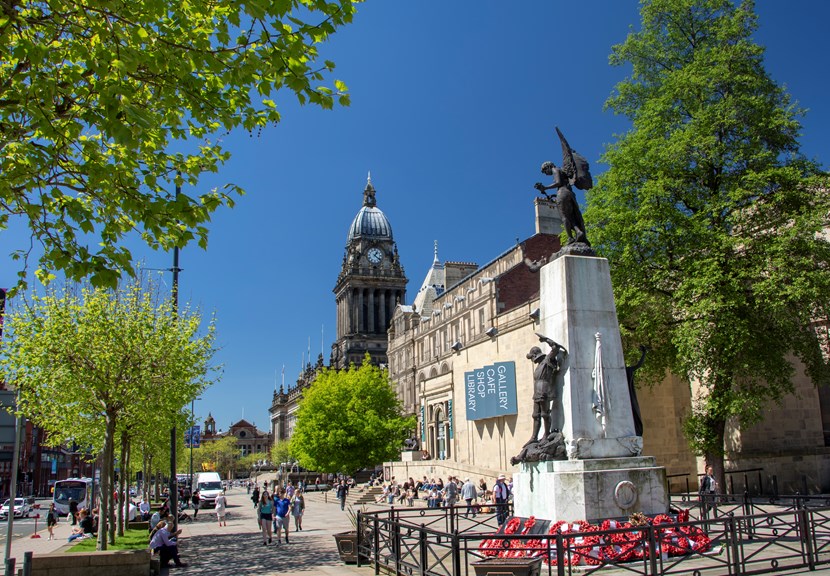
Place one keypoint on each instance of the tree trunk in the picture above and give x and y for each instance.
(121, 500)
(106, 490)
(113, 503)
(714, 458)
(145, 473)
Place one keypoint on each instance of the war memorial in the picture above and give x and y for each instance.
(585, 497)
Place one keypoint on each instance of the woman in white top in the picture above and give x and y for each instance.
(219, 508)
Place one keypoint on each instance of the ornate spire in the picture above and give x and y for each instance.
(435, 259)
(369, 193)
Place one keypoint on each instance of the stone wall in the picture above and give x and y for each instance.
(108, 563)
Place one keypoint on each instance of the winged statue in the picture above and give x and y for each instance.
(574, 171)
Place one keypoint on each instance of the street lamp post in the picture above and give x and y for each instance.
(174, 508)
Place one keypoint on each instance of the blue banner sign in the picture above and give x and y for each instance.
(490, 391)
(193, 437)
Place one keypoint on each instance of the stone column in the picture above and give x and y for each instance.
(577, 302)
(360, 320)
(370, 326)
(382, 311)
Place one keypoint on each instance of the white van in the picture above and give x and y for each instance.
(209, 485)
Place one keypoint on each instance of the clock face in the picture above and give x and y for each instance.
(374, 255)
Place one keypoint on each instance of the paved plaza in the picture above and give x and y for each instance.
(237, 549)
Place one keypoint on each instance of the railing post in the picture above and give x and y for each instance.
(27, 563)
(560, 554)
(456, 555)
(422, 547)
(359, 531)
(653, 549)
(806, 536)
(748, 513)
(733, 543)
(376, 546)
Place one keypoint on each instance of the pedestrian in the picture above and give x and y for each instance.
(708, 489)
(297, 509)
(51, 520)
(501, 492)
(450, 492)
(342, 492)
(73, 511)
(219, 508)
(255, 495)
(282, 509)
(469, 493)
(196, 502)
(265, 511)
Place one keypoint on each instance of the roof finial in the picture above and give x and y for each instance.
(369, 193)
(435, 260)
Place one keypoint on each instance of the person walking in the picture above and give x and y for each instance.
(73, 511)
(195, 500)
(708, 489)
(282, 509)
(265, 512)
(468, 493)
(219, 508)
(450, 492)
(51, 521)
(342, 492)
(500, 494)
(298, 508)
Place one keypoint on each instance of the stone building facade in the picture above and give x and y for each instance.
(370, 285)
(489, 315)
(249, 439)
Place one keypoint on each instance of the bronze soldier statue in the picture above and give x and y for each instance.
(544, 392)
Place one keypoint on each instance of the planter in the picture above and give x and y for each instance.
(347, 546)
(508, 566)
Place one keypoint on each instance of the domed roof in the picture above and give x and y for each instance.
(370, 221)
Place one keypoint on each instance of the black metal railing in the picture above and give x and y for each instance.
(444, 542)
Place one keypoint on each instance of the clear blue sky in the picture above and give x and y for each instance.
(453, 110)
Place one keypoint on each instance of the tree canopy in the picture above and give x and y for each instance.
(85, 362)
(105, 107)
(348, 420)
(711, 218)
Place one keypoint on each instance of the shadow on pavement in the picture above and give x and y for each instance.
(245, 554)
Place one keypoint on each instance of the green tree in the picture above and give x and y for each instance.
(348, 420)
(83, 362)
(710, 217)
(281, 452)
(104, 106)
(220, 455)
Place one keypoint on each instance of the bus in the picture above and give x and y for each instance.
(79, 489)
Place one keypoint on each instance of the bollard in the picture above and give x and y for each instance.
(10, 567)
(27, 563)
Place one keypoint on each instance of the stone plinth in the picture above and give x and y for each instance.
(595, 489)
(577, 302)
(411, 455)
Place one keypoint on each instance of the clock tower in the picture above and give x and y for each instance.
(371, 283)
